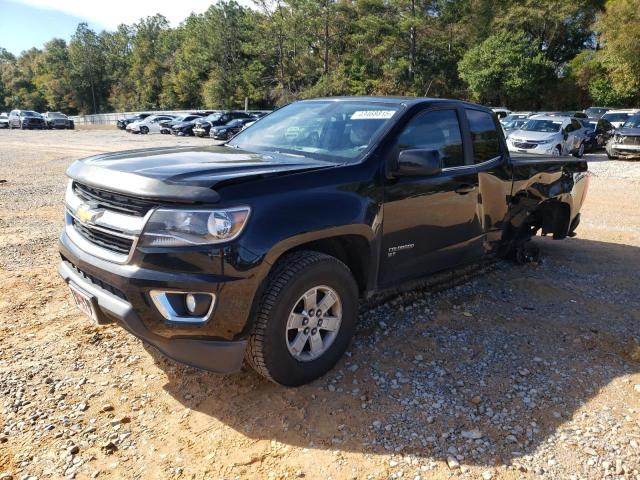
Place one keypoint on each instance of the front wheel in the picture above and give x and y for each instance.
(580, 152)
(556, 152)
(144, 130)
(305, 319)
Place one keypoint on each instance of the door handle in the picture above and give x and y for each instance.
(464, 189)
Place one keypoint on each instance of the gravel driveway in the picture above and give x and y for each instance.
(518, 372)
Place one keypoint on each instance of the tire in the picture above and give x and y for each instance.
(557, 152)
(611, 157)
(22, 127)
(272, 340)
(144, 130)
(580, 152)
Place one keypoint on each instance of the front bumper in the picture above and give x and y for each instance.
(121, 294)
(623, 150)
(540, 149)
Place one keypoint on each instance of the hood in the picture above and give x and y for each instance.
(629, 132)
(183, 174)
(527, 135)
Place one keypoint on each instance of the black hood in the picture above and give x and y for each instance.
(184, 174)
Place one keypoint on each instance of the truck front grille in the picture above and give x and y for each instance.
(113, 242)
(113, 201)
(95, 280)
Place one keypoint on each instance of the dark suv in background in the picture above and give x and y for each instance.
(58, 120)
(203, 126)
(25, 119)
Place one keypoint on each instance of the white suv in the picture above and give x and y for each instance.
(151, 124)
(618, 117)
(547, 135)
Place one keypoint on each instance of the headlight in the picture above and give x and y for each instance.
(547, 140)
(180, 228)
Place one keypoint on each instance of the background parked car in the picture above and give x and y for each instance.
(626, 141)
(218, 119)
(596, 112)
(225, 132)
(4, 120)
(57, 120)
(501, 112)
(573, 114)
(166, 126)
(122, 123)
(185, 127)
(25, 119)
(618, 117)
(549, 135)
(599, 131)
(151, 124)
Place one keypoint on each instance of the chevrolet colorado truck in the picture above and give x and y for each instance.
(261, 249)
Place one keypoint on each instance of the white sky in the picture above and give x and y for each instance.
(111, 13)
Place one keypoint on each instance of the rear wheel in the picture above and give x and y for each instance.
(305, 319)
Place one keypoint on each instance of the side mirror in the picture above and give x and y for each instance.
(419, 162)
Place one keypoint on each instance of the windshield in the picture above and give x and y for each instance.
(548, 126)
(56, 115)
(214, 117)
(513, 124)
(319, 129)
(632, 122)
(616, 117)
(29, 113)
(595, 111)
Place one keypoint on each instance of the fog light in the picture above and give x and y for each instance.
(183, 306)
(191, 303)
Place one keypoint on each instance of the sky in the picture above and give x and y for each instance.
(31, 23)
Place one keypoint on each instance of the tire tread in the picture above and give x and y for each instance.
(285, 270)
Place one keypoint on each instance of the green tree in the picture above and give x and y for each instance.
(87, 70)
(506, 69)
(618, 30)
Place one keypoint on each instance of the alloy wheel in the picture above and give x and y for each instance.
(313, 323)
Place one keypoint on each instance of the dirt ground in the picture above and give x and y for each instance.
(521, 372)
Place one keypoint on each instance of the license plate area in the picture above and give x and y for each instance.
(84, 302)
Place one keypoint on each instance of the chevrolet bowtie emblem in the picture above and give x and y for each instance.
(85, 213)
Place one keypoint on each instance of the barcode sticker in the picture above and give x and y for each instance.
(372, 114)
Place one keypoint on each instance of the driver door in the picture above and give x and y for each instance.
(429, 221)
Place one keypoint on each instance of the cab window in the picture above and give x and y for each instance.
(435, 130)
(484, 135)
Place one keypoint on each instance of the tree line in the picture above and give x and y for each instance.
(524, 54)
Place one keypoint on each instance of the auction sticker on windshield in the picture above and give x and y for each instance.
(372, 114)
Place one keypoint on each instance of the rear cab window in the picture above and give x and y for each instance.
(484, 135)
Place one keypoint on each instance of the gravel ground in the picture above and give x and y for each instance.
(520, 372)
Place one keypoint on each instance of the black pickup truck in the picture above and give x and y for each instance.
(261, 249)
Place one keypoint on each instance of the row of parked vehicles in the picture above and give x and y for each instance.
(219, 125)
(28, 119)
(573, 132)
